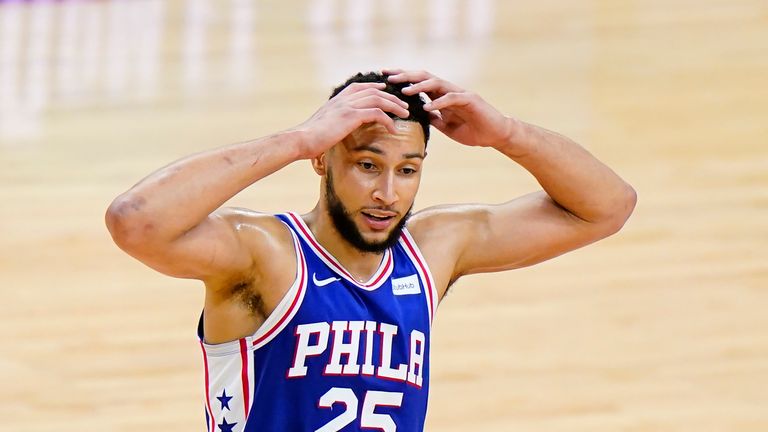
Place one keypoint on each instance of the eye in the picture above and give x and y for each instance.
(367, 166)
(408, 171)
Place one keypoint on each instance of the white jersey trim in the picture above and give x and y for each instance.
(289, 305)
(414, 253)
(379, 276)
(229, 384)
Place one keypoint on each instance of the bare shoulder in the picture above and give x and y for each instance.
(267, 239)
(255, 223)
(441, 232)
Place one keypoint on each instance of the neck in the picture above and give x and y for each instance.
(361, 264)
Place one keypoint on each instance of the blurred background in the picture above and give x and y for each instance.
(662, 327)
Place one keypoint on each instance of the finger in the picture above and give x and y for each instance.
(449, 100)
(383, 104)
(358, 87)
(390, 97)
(436, 119)
(410, 76)
(391, 71)
(432, 87)
(375, 115)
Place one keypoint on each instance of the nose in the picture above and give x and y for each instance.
(385, 191)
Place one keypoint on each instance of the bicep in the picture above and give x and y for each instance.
(519, 233)
(214, 248)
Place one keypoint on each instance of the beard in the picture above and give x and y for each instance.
(344, 223)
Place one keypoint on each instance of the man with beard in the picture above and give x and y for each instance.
(321, 321)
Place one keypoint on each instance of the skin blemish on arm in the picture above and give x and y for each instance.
(138, 203)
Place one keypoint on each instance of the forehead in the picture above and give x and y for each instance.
(409, 138)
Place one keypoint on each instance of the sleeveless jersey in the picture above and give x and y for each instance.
(335, 355)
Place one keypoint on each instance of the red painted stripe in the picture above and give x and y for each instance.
(244, 375)
(387, 265)
(293, 305)
(424, 271)
(332, 260)
(212, 426)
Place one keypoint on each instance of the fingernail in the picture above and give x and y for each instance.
(428, 106)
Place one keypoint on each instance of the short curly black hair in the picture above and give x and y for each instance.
(415, 103)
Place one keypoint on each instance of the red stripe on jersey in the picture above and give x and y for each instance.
(300, 225)
(244, 375)
(295, 299)
(423, 270)
(212, 426)
(383, 272)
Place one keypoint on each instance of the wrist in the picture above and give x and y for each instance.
(299, 142)
(513, 142)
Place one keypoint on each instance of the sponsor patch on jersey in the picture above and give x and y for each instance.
(406, 285)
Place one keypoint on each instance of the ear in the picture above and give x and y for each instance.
(319, 164)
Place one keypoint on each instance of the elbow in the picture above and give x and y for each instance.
(628, 203)
(126, 223)
(623, 209)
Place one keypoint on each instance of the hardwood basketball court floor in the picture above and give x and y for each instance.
(662, 327)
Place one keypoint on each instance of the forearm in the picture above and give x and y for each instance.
(571, 176)
(176, 198)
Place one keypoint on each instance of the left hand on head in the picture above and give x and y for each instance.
(461, 115)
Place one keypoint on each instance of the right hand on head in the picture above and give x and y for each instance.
(357, 104)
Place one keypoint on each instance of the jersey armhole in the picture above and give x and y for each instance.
(291, 301)
(414, 253)
(280, 316)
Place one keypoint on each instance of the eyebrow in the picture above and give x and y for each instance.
(374, 149)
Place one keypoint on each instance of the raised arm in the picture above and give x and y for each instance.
(170, 221)
(582, 199)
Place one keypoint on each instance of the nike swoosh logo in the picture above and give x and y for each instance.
(323, 282)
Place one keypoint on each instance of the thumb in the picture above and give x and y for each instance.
(436, 120)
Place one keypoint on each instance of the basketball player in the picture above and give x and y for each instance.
(321, 321)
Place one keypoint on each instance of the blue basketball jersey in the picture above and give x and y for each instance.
(336, 354)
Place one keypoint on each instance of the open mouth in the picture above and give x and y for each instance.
(378, 218)
(378, 221)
